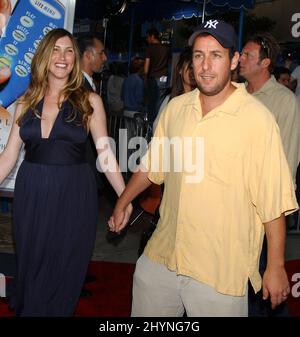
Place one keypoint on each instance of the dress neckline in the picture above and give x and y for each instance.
(41, 106)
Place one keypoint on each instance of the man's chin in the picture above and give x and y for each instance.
(209, 91)
(98, 71)
(242, 73)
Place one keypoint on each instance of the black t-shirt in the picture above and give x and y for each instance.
(159, 56)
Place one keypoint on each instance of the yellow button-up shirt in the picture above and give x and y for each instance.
(212, 229)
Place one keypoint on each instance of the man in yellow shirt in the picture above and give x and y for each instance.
(219, 154)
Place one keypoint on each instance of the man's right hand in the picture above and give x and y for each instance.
(123, 209)
(119, 218)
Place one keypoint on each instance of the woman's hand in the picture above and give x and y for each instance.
(120, 218)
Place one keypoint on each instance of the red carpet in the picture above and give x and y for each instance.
(293, 270)
(112, 291)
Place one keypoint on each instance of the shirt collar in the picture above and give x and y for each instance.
(267, 88)
(90, 80)
(230, 105)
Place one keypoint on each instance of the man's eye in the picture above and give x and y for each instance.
(197, 56)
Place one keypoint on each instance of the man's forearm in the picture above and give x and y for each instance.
(276, 233)
(137, 184)
(146, 67)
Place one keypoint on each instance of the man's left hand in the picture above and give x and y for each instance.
(275, 285)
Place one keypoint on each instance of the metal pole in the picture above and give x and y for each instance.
(241, 28)
(69, 15)
(131, 35)
(104, 25)
(203, 11)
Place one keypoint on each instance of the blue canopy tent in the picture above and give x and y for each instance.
(156, 10)
(179, 9)
(139, 11)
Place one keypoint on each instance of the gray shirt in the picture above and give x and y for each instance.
(285, 107)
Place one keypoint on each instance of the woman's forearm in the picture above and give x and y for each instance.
(7, 163)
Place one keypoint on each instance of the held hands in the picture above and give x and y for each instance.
(119, 218)
(275, 285)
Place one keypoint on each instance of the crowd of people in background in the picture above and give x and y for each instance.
(150, 94)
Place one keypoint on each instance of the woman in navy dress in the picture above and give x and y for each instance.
(55, 198)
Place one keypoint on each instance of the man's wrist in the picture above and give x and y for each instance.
(120, 205)
(275, 264)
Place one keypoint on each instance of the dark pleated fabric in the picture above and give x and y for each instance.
(55, 217)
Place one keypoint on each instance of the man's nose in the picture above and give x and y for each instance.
(242, 57)
(206, 63)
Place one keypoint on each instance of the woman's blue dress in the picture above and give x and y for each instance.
(55, 216)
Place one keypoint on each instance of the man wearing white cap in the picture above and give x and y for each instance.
(208, 240)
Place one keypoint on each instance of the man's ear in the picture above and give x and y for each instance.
(87, 54)
(235, 60)
(265, 62)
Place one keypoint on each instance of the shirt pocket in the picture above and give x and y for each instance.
(220, 168)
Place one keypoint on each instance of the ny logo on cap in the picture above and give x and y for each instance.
(211, 24)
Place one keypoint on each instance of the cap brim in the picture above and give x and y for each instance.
(218, 38)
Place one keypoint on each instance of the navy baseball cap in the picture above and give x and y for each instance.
(222, 31)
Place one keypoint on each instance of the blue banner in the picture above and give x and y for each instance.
(30, 22)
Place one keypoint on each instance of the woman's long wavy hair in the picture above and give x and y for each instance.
(73, 91)
(185, 59)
